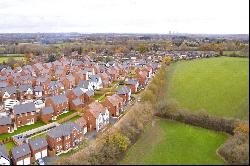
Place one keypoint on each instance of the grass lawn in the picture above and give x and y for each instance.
(63, 115)
(170, 142)
(75, 118)
(22, 129)
(216, 85)
(9, 145)
(7, 56)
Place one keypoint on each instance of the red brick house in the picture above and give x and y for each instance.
(6, 125)
(64, 137)
(47, 114)
(9, 93)
(132, 84)
(75, 93)
(124, 92)
(68, 81)
(96, 115)
(114, 104)
(59, 103)
(24, 114)
(38, 148)
(25, 91)
(83, 124)
(21, 155)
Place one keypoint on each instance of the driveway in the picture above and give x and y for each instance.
(90, 135)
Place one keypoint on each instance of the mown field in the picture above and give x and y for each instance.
(5, 57)
(170, 142)
(218, 86)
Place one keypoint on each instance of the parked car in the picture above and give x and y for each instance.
(40, 162)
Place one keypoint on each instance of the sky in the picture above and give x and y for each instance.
(125, 16)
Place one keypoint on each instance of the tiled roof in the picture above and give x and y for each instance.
(123, 90)
(47, 110)
(24, 108)
(5, 120)
(59, 99)
(63, 130)
(38, 143)
(3, 152)
(20, 151)
(96, 108)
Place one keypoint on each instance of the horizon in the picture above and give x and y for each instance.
(125, 16)
(126, 33)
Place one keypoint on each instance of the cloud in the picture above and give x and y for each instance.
(152, 16)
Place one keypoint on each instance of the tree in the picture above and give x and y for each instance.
(167, 59)
(11, 62)
(142, 48)
(51, 58)
(28, 57)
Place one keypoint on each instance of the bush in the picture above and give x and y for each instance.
(236, 149)
(202, 119)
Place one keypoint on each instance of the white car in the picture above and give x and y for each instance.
(39, 104)
(9, 103)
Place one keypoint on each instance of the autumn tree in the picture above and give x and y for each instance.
(28, 57)
(167, 59)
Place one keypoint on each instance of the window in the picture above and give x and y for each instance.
(58, 139)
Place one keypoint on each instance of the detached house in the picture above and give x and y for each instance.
(124, 92)
(97, 116)
(59, 103)
(9, 93)
(85, 85)
(6, 125)
(68, 81)
(114, 104)
(25, 92)
(96, 82)
(87, 95)
(38, 148)
(24, 114)
(21, 155)
(64, 137)
(83, 124)
(76, 98)
(132, 84)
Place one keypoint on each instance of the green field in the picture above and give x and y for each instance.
(170, 142)
(216, 85)
(5, 57)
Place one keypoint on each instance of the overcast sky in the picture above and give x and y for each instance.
(125, 16)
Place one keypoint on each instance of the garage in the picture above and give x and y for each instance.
(44, 153)
(38, 155)
(26, 161)
(19, 162)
